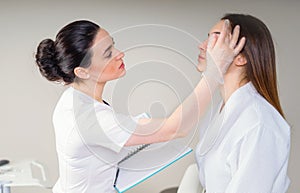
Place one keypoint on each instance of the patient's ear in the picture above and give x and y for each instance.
(81, 73)
(240, 60)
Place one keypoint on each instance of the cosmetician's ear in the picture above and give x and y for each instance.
(81, 73)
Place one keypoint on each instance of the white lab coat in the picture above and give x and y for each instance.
(89, 136)
(245, 149)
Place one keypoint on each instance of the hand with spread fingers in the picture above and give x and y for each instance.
(221, 49)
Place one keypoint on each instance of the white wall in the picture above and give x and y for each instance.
(28, 100)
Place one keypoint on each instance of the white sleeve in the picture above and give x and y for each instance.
(105, 128)
(117, 128)
(259, 162)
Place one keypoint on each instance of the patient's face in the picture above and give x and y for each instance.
(203, 46)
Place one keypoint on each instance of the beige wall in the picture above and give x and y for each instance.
(27, 100)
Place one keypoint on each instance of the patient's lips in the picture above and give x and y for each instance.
(200, 57)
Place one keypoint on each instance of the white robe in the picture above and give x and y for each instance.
(246, 147)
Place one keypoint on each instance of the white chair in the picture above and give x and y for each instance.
(190, 181)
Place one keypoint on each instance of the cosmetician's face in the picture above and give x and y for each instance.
(203, 46)
(107, 61)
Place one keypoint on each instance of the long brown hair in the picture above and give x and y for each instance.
(260, 54)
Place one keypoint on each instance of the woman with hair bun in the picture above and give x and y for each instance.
(84, 58)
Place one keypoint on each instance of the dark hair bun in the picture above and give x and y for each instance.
(47, 62)
(71, 49)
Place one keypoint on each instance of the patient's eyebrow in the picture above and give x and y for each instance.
(216, 32)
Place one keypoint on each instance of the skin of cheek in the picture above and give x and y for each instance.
(109, 69)
(109, 72)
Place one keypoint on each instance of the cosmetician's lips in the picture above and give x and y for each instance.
(122, 65)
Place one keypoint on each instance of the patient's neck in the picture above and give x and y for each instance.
(232, 82)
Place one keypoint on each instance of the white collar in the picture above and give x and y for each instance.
(239, 96)
(88, 99)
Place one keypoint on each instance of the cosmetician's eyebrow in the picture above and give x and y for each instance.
(109, 47)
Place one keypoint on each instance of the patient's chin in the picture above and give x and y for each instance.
(201, 67)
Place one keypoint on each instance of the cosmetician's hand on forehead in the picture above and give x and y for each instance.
(222, 49)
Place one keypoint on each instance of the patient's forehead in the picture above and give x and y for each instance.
(216, 28)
